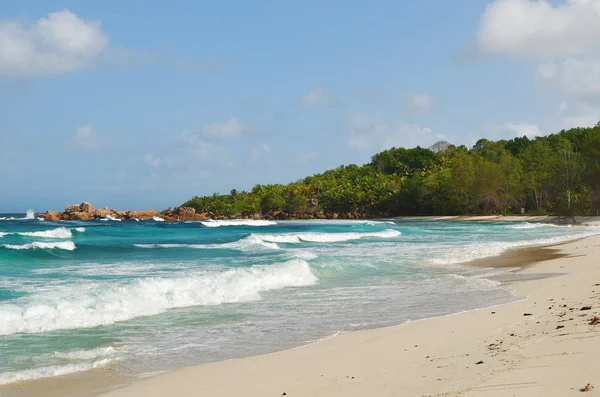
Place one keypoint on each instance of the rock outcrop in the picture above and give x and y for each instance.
(50, 215)
(86, 211)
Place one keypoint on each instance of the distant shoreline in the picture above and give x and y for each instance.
(86, 211)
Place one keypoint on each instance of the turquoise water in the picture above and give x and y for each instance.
(148, 296)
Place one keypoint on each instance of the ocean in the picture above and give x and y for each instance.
(142, 297)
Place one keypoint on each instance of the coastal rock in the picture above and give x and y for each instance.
(72, 208)
(145, 214)
(121, 214)
(50, 215)
(185, 211)
(102, 213)
(86, 207)
(80, 216)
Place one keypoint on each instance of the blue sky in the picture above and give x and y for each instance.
(132, 105)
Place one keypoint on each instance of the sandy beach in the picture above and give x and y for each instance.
(543, 345)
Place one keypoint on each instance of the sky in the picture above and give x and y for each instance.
(131, 105)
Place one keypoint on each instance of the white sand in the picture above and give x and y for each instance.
(522, 355)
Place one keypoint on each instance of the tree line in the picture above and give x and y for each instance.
(556, 174)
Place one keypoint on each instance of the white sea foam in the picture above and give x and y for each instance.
(115, 269)
(158, 219)
(63, 245)
(60, 232)
(270, 241)
(110, 218)
(475, 283)
(100, 352)
(97, 303)
(80, 229)
(306, 255)
(30, 214)
(50, 371)
(246, 244)
(294, 238)
(469, 252)
(237, 222)
(2, 234)
(528, 225)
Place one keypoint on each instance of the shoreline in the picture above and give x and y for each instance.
(86, 212)
(92, 383)
(522, 347)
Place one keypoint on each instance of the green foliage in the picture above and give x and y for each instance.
(556, 174)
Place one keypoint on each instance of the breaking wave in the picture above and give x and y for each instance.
(528, 225)
(294, 238)
(110, 218)
(59, 233)
(97, 303)
(237, 222)
(63, 245)
(30, 214)
(50, 371)
(470, 252)
(157, 219)
(270, 241)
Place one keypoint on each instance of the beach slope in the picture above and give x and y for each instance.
(544, 345)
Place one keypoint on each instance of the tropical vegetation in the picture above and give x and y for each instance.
(556, 174)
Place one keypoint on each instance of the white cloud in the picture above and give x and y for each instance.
(579, 83)
(258, 152)
(422, 104)
(201, 148)
(564, 38)
(85, 138)
(573, 77)
(60, 43)
(370, 133)
(533, 29)
(579, 114)
(316, 97)
(229, 129)
(152, 160)
(512, 130)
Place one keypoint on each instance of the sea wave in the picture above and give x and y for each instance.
(51, 371)
(271, 241)
(527, 225)
(58, 233)
(98, 303)
(100, 352)
(110, 218)
(249, 243)
(157, 219)
(30, 214)
(294, 238)
(62, 245)
(470, 252)
(237, 222)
